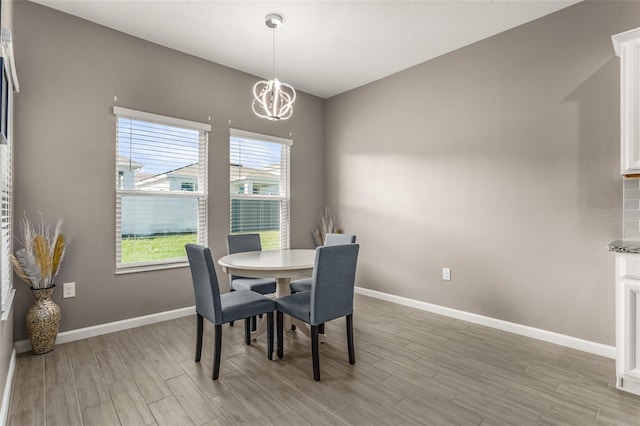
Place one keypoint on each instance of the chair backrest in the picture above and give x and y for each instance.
(336, 239)
(205, 283)
(241, 243)
(333, 282)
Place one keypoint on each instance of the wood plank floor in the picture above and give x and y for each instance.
(412, 368)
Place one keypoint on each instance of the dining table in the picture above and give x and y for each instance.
(283, 265)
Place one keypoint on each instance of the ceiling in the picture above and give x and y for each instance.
(324, 47)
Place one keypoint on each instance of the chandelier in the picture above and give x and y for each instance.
(273, 99)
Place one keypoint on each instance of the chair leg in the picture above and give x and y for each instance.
(231, 322)
(217, 351)
(247, 331)
(270, 335)
(321, 328)
(314, 352)
(254, 323)
(280, 331)
(199, 331)
(352, 355)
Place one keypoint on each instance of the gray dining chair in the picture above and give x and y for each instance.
(223, 308)
(239, 244)
(242, 243)
(331, 297)
(304, 284)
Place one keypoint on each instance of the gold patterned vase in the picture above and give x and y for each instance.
(43, 320)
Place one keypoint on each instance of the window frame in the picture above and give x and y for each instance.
(285, 183)
(201, 195)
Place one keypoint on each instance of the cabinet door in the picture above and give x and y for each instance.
(627, 47)
(633, 332)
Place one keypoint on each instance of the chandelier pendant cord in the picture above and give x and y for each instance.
(273, 52)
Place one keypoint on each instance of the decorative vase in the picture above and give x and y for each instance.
(43, 320)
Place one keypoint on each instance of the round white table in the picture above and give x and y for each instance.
(283, 265)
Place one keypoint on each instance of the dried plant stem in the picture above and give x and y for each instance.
(328, 225)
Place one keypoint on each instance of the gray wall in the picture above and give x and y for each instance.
(499, 160)
(70, 70)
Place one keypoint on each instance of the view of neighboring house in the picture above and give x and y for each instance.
(247, 180)
(140, 215)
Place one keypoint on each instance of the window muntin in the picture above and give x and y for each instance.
(259, 187)
(155, 215)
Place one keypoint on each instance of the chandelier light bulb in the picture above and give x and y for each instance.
(273, 99)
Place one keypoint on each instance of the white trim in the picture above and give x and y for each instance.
(161, 119)
(132, 268)
(619, 39)
(97, 330)
(260, 137)
(523, 330)
(7, 304)
(8, 385)
(7, 52)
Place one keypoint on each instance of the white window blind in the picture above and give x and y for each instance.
(6, 195)
(10, 84)
(259, 187)
(161, 189)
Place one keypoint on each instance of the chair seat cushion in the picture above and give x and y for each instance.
(298, 286)
(242, 304)
(259, 285)
(297, 305)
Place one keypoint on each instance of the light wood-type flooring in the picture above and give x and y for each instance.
(412, 367)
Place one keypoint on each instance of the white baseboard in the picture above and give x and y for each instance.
(511, 327)
(6, 396)
(97, 330)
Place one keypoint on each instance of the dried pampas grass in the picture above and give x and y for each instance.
(38, 261)
(328, 225)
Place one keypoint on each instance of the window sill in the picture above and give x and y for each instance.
(147, 268)
(6, 307)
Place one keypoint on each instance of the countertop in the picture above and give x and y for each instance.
(625, 246)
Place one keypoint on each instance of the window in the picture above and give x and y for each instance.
(9, 86)
(161, 189)
(259, 187)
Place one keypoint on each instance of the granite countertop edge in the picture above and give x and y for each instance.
(625, 246)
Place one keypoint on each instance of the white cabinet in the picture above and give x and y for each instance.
(628, 322)
(627, 47)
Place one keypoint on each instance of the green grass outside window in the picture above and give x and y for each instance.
(172, 246)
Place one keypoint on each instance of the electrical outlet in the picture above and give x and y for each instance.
(446, 274)
(68, 290)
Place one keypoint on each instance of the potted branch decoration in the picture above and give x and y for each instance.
(37, 263)
(328, 225)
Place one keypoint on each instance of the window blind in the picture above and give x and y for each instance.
(6, 202)
(6, 186)
(161, 189)
(259, 171)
